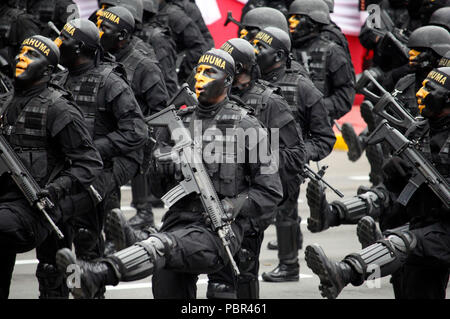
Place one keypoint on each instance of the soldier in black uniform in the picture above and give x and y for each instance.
(57, 11)
(328, 64)
(427, 45)
(441, 18)
(418, 256)
(333, 32)
(15, 26)
(186, 34)
(50, 135)
(280, 5)
(259, 18)
(136, 7)
(306, 102)
(114, 119)
(193, 11)
(159, 36)
(186, 247)
(273, 111)
(148, 86)
(433, 42)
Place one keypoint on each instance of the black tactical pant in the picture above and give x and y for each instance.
(246, 285)
(198, 251)
(289, 236)
(425, 273)
(21, 230)
(82, 227)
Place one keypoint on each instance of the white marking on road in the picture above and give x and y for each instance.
(359, 178)
(125, 188)
(201, 281)
(27, 262)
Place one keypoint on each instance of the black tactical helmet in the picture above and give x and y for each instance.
(241, 51)
(445, 60)
(441, 17)
(151, 6)
(283, 38)
(84, 31)
(317, 10)
(330, 4)
(126, 20)
(136, 7)
(431, 37)
(45, 46)
(265, 17)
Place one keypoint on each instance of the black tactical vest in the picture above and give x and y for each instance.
(257, 97)
(441, 160)
(86, 90)
(227, 174)
(289, 85)
(314, 58)
(28, 136)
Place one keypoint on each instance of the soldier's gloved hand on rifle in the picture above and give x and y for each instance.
(231, 206)
(167, 161)
(396, 173)
(57, 189)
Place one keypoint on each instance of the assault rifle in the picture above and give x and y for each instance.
(424, 172)
(11, 163)
(196, 178)
(318, 177)
(184, 96)
(384, 102)
(233, 20)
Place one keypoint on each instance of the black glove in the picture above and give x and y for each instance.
(396, 173)
(57, 189)
(167, 161)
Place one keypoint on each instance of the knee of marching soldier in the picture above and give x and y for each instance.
(51, 282)
(402, 241)
(141, 259)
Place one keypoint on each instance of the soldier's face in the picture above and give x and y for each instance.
(413, 54)
(265, 56)
(431, 98)
(30, 65)
(294, 21)
(249, 33)
(241, 82)
(67, 47)
(109, 35)
(210, 84)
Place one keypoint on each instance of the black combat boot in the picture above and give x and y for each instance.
(321, 215)
(143, 218)
(334, 276)
(121, 233)
(89, 277)
(368, 232)
(355, 147)
(283, 272)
